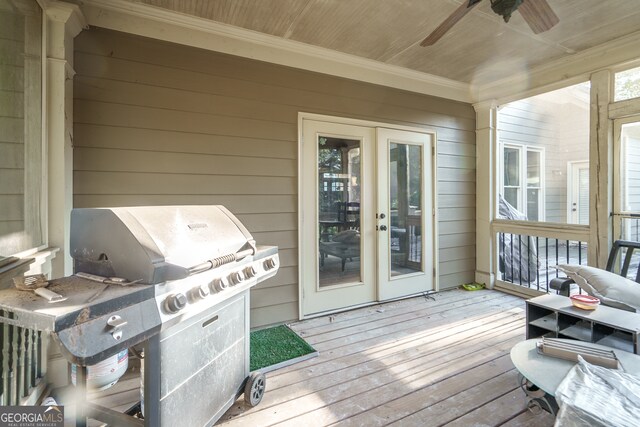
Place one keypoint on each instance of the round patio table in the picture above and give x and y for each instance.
(543, 374)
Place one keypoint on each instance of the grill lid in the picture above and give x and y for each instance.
(154, 243)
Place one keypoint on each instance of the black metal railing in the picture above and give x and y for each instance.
(530, 261)
(21, 361)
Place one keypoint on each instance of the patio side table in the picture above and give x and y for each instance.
(542, 374)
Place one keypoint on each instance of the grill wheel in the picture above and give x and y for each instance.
(254, 388)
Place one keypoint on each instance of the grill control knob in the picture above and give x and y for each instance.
(200, 292)
(250, 272)
(176, 302)
(236, 277)
(270, 264)
(219, 285)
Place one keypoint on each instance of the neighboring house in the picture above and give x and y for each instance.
(148, 106)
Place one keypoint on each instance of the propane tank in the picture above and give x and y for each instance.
(104, 374)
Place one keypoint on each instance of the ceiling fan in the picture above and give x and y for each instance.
(537, 14)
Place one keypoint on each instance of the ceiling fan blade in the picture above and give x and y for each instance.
(539, 15)
(446, 25)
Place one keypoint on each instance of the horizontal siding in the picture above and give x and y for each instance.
(162, 124)
(562, 130)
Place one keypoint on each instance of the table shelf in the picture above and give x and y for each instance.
(555, 316)
(548, 322)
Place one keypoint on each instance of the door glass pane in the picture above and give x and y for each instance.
(630, 138)
(405, 199)
(339, 186)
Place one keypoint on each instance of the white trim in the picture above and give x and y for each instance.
(524, 149)
(573, 188)
(372, 124)
(546, 229)
(149, 21)
(621, 53)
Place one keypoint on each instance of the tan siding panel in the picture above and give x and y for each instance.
(158, 118)
(175, 56)
(456, 240)
(11, 104)
(162, 124)
(238, 204)
(9, 227)
(12, 181)
(89, 135)
(12, 129)
(457, 214)
(455, 227)
(458, 149)
(453, 201)
(274, 314)
(457, 188)
(274, 296)
(12, 78)
(454, 280)
(448, 161)
(282, 239)
(155, 183)
(12, 156)
(268, 221)
(285, 276)
(12, 207)
(144, 95)
(462, 252)
(104, 159)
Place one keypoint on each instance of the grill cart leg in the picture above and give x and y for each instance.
(81, 395)
(254, 388)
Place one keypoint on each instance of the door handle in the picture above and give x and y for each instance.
(383, 228)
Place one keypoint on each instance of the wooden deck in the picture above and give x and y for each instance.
(439, 360)
(417, 362)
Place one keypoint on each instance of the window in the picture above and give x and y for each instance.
(21, 143)
(522, 180)
(627, 85)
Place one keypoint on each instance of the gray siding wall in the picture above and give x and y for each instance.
(12, 145)
(157, 123)
(563, 133)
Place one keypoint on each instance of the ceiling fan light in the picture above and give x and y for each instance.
(505, 8)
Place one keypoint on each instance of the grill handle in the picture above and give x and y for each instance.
(222, 260)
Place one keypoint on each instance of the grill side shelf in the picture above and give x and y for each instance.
(25, 309)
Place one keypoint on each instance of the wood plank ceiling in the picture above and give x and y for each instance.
(479, 49)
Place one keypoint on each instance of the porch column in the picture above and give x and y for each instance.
(485, 189)
(600, 170)
(64, 22)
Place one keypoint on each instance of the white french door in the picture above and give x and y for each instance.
(405, 215)
(578, 190)
(367, 218)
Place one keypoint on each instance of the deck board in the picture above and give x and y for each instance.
(442, 360)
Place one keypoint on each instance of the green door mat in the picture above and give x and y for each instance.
(277, 347)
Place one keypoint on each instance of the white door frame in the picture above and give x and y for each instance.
(302, 255)
(573, 189)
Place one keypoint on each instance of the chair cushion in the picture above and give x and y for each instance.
(612, 289)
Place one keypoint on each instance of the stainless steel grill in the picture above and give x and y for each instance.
(175, 278)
